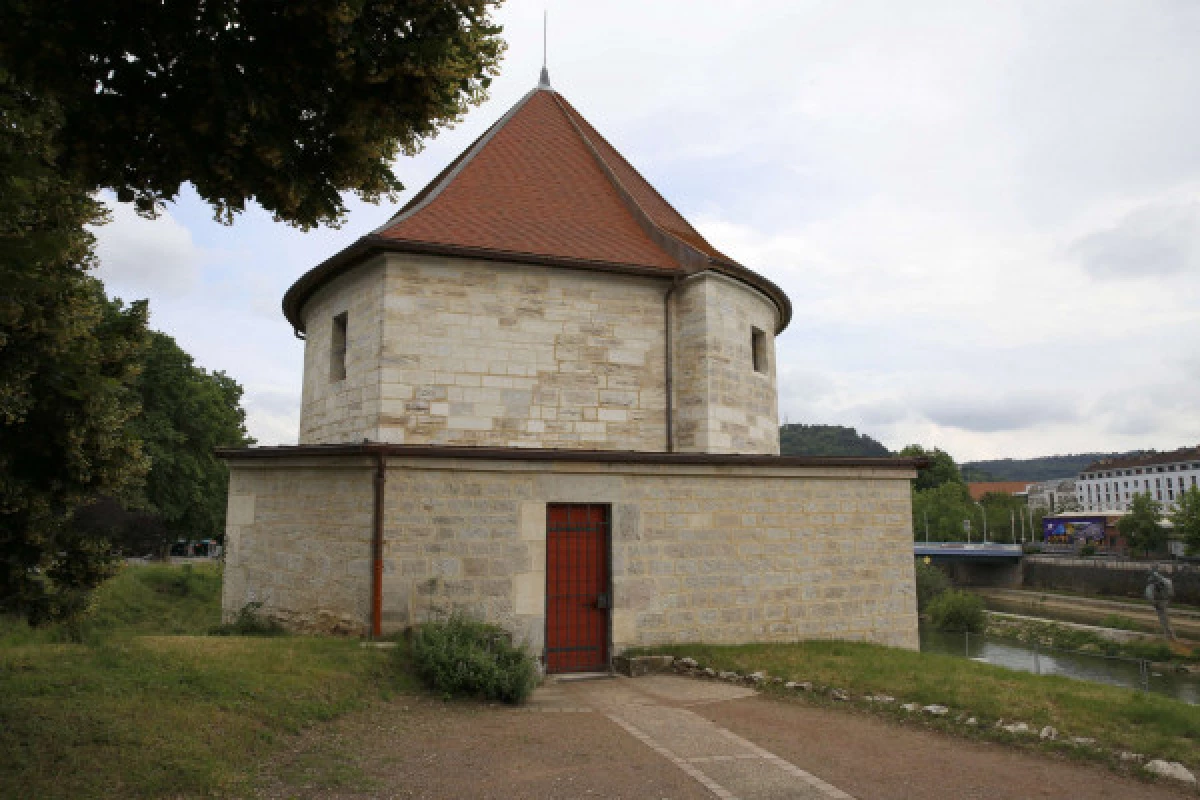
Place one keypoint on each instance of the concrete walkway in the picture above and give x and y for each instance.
(657, 711)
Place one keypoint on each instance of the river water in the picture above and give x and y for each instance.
(1014, 655)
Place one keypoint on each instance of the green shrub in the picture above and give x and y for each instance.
(249, 622)
(1118, 622)
(931, 582)
(1151, 651)
(1087, 550)
(462, 656)
(1031, 549)
(957, 611)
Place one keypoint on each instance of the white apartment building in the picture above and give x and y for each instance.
(1110, 485)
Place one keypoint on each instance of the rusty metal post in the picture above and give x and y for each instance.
(377, 547)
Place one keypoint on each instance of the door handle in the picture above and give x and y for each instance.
(602, 600)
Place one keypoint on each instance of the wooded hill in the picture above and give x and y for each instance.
(827, 440)
(838, 440)
(1044, 468)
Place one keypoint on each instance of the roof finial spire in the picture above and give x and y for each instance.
(544, 81)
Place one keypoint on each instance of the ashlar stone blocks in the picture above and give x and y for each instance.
(707, 553)
(454, 351)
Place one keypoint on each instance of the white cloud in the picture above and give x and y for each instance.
(1155, 240)
(273, 416)
(146, 255)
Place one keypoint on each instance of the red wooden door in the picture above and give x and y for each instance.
(577, 588)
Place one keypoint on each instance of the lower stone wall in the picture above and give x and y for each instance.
(1119, 578)
(721, 554)
(298, 541)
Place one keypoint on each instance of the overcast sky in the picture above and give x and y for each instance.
(987, 215)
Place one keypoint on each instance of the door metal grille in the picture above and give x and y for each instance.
(577, 587)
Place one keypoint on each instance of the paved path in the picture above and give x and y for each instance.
(664, 737)
(657, 711)
(740, 745)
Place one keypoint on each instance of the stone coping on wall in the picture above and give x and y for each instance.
(620, 460)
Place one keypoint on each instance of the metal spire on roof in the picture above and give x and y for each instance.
(544, 80)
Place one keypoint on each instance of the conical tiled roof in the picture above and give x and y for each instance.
(541, 186)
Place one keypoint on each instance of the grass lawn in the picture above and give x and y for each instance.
(1118, 718)
(148, 705)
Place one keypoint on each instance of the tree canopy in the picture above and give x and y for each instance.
(1186, 519)
(941, 469)
(1141, 527)
(289, 104)
(68, 363)
(187, 413)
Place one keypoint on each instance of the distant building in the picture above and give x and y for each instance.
(1057, 495)
(1110, 484)
(980, 488)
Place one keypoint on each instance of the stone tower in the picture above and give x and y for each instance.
(539, 293)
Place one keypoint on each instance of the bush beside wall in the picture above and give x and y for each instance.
(462, 656)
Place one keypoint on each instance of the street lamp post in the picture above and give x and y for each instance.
(983, 513)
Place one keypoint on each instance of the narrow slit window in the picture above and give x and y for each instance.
(337, 349)
(758, 349)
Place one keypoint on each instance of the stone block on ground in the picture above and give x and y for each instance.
(637, 666)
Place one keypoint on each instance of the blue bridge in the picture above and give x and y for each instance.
(975, 564)
(978, 552)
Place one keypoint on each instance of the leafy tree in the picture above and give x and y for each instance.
(286, 103)
(943, 508)
(68, 361)
(941, 469)
(827, 440)
(1186, 519)
(186, 413)
(931, 582)
(1141, 527)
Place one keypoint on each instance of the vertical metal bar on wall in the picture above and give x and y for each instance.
(377, 524)
(608, 585)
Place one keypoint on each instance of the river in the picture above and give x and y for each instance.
(1014, 655)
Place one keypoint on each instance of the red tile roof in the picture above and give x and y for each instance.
(531, 185)
(981, 488)
(542, 186)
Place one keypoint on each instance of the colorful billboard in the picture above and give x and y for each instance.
(1076, 530)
